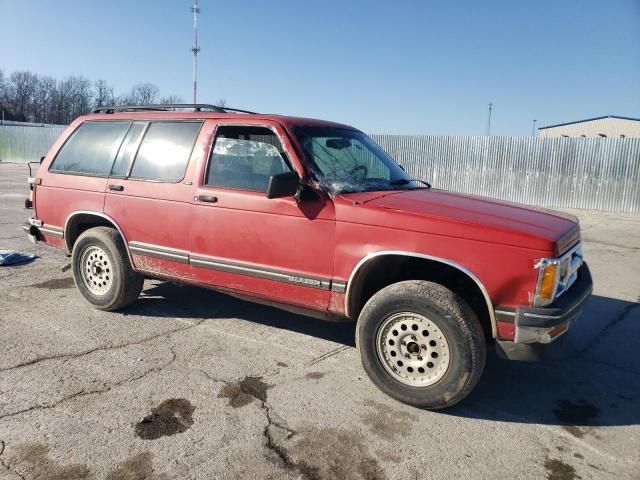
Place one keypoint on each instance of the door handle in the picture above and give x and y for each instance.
(117, 188)
(207, 198)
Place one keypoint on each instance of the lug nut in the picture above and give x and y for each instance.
(413, 337)
(424, 347)
(404, 343)
(406, 355)
(419, 357)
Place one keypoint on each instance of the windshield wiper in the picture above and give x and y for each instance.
(400, 181)
(405, 181)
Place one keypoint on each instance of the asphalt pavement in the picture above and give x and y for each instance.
(192, 384)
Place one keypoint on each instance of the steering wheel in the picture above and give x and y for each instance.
(359, 177)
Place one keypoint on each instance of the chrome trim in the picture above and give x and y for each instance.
(506, 312)
(150, 250)
(259, 272)
(565, 313)
(338, 286)
(485, 293)
(53, 231)
(533, 335)
(97, 214)
(569, 278)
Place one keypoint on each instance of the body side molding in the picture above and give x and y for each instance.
(259, 272)
(165, 253)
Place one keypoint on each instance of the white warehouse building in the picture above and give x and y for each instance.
(611, 126)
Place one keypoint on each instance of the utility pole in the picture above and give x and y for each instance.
(195, 49)
(533, 129)
(489, 120)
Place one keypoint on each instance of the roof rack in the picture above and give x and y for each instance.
(197, 107)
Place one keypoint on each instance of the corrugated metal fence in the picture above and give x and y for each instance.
(587, 173)
(27, 143)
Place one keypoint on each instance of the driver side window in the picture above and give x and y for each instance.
(244, 157)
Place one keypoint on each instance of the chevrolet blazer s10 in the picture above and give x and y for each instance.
(313, 217)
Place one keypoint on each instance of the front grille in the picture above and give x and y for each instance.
(568, 266)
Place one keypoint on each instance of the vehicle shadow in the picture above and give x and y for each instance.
(167, 299)
(596, 381)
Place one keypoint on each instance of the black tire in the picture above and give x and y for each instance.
(451, 315)
(124, 283)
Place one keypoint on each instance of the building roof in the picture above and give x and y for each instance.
(589, 120)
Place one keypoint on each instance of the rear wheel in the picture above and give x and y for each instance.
(421, 344)
(102, 271)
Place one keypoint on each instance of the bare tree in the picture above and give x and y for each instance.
(27, 96)
(43, 99)
(102, 94)
(82, 96)
(22, 88)
(171, 99)
(221, 103)
(144, 93)
(3, 86)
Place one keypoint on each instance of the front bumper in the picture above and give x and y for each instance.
(537, 329)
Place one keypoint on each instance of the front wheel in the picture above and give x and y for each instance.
(102, 271)
(421, 344)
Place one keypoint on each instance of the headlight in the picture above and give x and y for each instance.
(556, 275)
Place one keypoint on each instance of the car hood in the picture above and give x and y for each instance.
(468, 216)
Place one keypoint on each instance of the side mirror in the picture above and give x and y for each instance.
(283, 185)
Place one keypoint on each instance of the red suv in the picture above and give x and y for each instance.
(313, 217)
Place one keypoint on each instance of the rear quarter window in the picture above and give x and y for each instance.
(91, 148)
(165, 150)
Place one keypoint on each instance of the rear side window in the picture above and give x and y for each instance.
(245, 157)
(91, 148)
(128, 150)
(165, 150)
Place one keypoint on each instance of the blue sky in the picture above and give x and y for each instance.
(383, 66)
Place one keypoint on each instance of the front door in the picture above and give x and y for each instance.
(275, 249)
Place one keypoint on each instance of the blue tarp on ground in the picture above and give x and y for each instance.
(10, 257)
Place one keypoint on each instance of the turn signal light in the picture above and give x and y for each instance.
(548, 282)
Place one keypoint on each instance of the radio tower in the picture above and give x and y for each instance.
(195, 48)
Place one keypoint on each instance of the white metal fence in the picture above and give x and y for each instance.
(587, 173)
(23, 144)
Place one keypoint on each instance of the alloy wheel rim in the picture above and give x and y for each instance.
(412, 349)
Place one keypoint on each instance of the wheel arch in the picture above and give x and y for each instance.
(79, 221)
(356, 293)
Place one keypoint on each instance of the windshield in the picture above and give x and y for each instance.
(347, 161)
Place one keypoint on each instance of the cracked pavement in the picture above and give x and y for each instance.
(230, 389)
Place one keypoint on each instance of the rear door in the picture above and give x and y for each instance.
(149, 194)
(77, 176)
